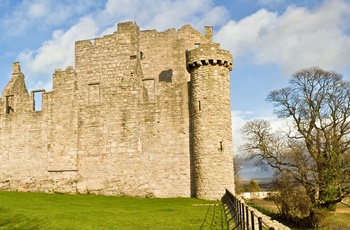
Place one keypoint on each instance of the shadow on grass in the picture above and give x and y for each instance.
(12, 221)
(214, 218)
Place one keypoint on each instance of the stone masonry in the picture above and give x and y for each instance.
(143, 113)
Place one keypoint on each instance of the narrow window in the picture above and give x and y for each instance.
(37, 101)
(141, 55)
(132, 57)
(199, 106)
(221, 146)
(9, 104)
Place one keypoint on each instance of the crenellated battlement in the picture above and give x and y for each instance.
(208, 54)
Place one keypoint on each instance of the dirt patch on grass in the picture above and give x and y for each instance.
(343, 210)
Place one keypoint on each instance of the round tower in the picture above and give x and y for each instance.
(211, 139)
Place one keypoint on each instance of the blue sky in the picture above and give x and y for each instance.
(269, 39)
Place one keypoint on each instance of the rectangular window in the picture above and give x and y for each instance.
(37, 100)
(9, 104)
(94, 94)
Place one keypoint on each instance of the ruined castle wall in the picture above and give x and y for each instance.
(63, 122)
(133, 116)
(109, 94)
(23, 137)
(165, 134)
(117, 124)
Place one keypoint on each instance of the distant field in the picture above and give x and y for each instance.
(62, 211)
(340, 220)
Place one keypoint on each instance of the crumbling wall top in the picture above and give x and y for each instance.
(16, 85)
(125, 26)
(209, 34)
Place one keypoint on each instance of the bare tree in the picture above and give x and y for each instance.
(315, 149)
(238, 163)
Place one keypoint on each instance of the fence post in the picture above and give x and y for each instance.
(243, 216)
(237, 207)
(252, 218)
(260, 223)
(247, 213)
(239, 211)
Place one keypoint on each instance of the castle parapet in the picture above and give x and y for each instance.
(208, 54)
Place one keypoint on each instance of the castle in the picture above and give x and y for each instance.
(143, 113)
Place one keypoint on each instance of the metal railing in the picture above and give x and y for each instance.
(240, 216)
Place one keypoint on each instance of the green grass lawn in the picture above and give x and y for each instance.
(63, 211)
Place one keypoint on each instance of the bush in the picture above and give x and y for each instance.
(252, 187)
(295, 205)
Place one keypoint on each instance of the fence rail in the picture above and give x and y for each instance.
(242, 217)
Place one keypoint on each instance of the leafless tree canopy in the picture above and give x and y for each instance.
(315, 150)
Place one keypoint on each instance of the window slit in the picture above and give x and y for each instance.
(37, 101)
(9, 104)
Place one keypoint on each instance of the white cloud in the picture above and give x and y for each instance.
(38, 14)
(37, 10)
(57, 52)
(238, 121)
(296, 39)
(164, 14)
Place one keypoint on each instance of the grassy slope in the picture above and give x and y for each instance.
(62, 211)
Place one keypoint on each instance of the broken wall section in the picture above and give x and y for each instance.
(23, 136)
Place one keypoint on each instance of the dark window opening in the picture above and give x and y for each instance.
(199, 106)
(9, 104)
(37, 101)
(132, 57)
(141, 55)
(221, 146)
(166, 75)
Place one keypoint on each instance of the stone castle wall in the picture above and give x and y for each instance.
(116, 124)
